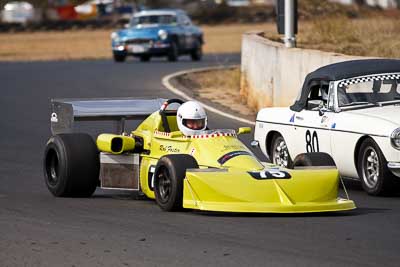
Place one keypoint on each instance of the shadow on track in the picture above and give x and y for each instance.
(356, 212)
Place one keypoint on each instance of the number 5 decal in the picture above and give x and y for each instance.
(312, 144)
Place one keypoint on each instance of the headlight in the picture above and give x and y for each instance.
(162, 34)
(395, 138)
(114, 36)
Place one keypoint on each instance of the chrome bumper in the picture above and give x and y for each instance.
(394, 167)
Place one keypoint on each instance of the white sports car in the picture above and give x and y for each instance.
(350, 110)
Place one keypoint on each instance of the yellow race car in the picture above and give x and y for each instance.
(211, 171)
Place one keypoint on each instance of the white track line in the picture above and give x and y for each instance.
(166, 82)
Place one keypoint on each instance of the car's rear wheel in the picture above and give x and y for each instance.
(173, 53)
(71, 165)
(168, 183)
(376, 178)
(314, 159)
(145, 58)
(119, 58)
(279, 152)
(197, 53)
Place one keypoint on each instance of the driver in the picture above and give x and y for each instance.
(191, 118)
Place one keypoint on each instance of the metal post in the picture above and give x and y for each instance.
(290, 39)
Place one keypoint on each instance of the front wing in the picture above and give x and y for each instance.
(311, 190)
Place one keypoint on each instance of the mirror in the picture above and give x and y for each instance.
(243, 130)
(322, 111)
(254, 143)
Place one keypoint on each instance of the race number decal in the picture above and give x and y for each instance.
(312, 144)
(150, 177)
(270, 174)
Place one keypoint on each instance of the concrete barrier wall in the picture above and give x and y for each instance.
(272, 75)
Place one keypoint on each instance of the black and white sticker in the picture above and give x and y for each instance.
(54, 117)
(231, 155)
(150, 177)
(270, 174)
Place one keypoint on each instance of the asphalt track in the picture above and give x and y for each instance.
(37, 229)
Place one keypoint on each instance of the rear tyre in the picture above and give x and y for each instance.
(280, 153)
(145, 58)
(173, 52)
(314, 159)
(197, 53)
(71, 165)
(119, 58)
(168, 180)
(376, 178)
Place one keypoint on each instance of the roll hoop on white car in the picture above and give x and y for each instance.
(350, 110)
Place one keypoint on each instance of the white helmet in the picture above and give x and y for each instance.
(192, 118)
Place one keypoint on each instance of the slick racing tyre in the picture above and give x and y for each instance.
(168, 183)
(279, 152)
(376, 178)
(314, 159)
(71, 165)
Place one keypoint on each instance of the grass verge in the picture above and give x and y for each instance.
(86, 44)
(222, 87)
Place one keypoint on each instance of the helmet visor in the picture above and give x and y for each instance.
(194, 124)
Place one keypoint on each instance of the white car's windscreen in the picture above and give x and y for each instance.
(368, 90)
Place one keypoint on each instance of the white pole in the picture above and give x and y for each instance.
(290, 39)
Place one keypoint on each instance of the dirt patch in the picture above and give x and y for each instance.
(221, 87)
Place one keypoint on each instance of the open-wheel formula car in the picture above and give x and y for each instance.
(212, 171)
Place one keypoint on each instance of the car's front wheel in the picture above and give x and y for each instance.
(168, 183)
(376, 178)
(173, 53)
(279, 152)
(119, 58)
(313, 159)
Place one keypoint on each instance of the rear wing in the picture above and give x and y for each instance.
(67, 111)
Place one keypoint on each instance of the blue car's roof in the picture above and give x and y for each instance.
(159, 11)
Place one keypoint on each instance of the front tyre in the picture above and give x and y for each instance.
(71, 165)
(314, 159)
(280, 152)
(173, 52)
(376, 178)
(168, 183)
(119, 58)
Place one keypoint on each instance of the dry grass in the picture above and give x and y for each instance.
(228, 38)
(55, 45)
(219, 86)
(375, 37)
(86, 44)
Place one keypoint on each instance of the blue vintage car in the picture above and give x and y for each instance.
(158, 33)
